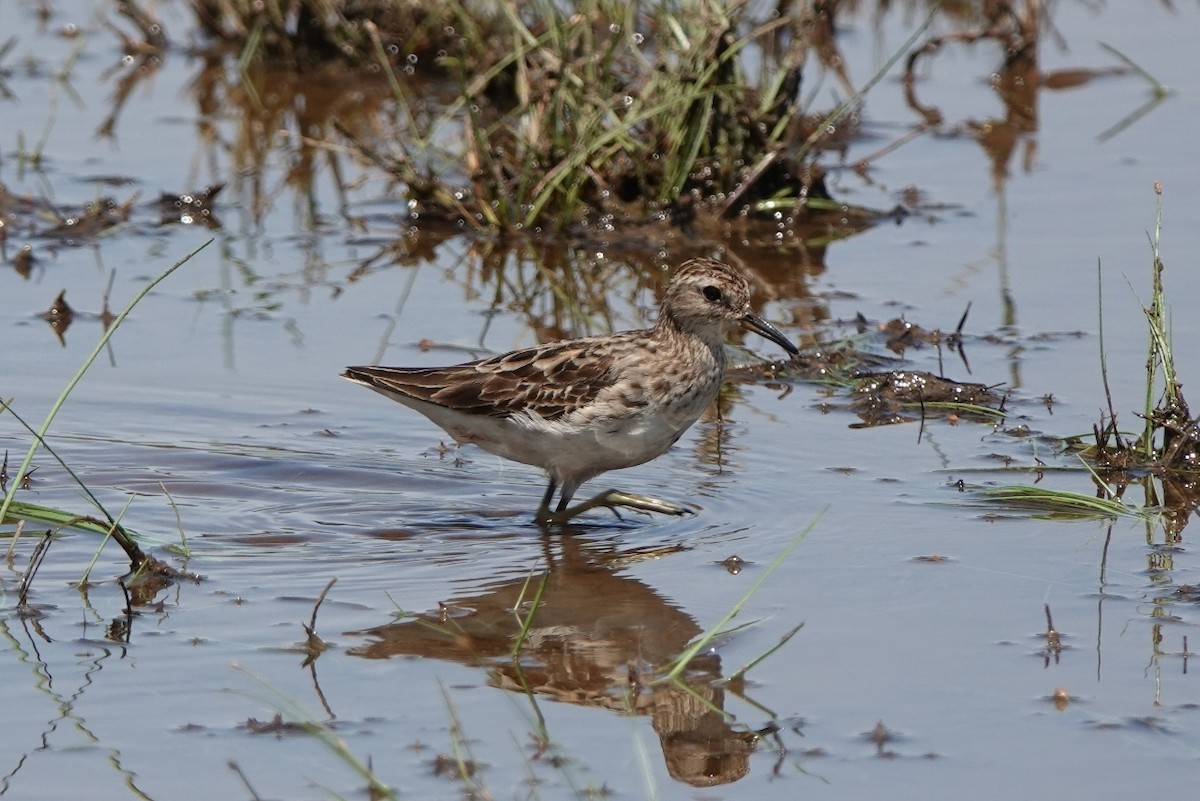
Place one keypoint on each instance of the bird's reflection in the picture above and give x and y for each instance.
(596, 638)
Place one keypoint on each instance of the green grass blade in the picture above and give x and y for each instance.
(681, 662)
(1061, 502)
(527, 621)
(7, 407)
(20, 510)
(1159, 87)
(87, 572)
(62, 398)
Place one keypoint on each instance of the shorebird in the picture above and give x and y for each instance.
(580, 407)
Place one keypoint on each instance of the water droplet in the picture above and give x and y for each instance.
(614, 28)
(638, 38)
(627, 100)
(412, 58)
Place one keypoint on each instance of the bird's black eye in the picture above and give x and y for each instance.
(712, 293)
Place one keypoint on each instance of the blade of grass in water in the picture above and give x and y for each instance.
(87, 571)
(1160, 89)
(62, 398)
(527, 621)
(20, 510)
(7, 407)
(681, 662)
(1061, 501)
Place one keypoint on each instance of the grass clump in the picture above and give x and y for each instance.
(540, 117)
(1167, 447)
(1169, 442)
(19, 512)
(599, 112)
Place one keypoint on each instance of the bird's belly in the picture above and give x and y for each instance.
(565, 449)
(614, 444)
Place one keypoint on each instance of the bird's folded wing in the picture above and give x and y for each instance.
(551, 381)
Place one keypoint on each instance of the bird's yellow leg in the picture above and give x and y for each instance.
(614, 500)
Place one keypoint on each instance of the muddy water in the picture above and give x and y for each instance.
(923, 667)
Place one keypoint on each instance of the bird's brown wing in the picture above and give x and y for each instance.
(552, 380)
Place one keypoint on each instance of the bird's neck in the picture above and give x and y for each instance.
(669, 328)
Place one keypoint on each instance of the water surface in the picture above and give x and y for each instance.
(922, 669)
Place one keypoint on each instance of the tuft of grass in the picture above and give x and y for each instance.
(15, 510)
(1159, 355)
(1169, 443)
(595, 113)
(1168, 446)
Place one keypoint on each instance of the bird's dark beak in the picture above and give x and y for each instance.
(760, 326)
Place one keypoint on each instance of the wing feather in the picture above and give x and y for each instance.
(552, 380)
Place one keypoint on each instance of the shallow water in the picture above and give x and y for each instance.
(220, 394)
